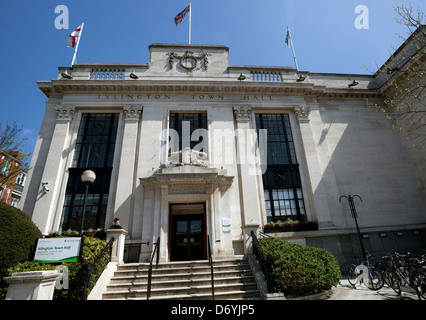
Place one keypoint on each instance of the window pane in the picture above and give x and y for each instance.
(95, 145)
(266, 194)
(286, 194)
(185, 124)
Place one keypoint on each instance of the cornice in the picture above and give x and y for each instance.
(55, 87)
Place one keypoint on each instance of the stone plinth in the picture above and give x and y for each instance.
(34, 285)
(119, 235)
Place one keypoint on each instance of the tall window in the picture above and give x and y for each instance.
(94, 150)
(281, 181)
(191, 129)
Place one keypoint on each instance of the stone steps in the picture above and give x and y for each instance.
(233, 279)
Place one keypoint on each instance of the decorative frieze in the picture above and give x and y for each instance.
(242, 113)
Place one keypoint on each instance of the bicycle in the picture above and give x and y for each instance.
(365, 272)
(405, 271)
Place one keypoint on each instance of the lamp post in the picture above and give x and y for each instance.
(355, 216)
(87, 177)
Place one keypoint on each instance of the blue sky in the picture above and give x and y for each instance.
(324, 36)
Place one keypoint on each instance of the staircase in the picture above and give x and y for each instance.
(189, 280)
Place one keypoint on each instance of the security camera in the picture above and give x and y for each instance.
(45, 187)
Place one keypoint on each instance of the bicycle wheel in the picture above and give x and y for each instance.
(419, 283)
(353, 275)
(375, 279)
(394, 281)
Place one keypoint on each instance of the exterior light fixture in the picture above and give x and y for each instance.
(353, 84)
(390, 71)
(355, 216)
(87, 177)
(45, 187)
(241, 77)
(301, 78)
(66, 75)
(133, 76)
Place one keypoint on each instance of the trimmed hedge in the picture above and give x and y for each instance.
(300, 270)
(18, 235)
(91, 249)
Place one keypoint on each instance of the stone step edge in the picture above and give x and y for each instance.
(220, 286)
(122, 268)
(187, 262)
(194, 296)
(179, 281)
(156, 277)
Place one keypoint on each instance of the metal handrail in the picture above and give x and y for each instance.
(265, 261)
(210, 263)
(155, 252)
(87, 269)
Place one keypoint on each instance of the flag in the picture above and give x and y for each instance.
(181, 15)
(72, 39)
(287, 38)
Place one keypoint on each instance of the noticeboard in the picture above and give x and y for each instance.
(57, 250)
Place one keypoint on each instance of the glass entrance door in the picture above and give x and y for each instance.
(188, 236)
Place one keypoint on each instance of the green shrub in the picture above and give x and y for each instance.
(91, 249)
(18, 235)
(300, 270)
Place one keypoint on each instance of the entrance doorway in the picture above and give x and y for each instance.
(188, 232)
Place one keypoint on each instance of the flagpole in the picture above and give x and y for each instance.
(292, 48)
(76, 46)
(190, 10)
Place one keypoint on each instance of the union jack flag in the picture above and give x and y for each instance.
(181, 15)
(287, 38)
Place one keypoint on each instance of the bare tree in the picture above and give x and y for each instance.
(13, 159)
(404, 91)
(412, 18)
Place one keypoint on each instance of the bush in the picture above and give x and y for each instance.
(300, 270)
(18, 235)
(91, 249)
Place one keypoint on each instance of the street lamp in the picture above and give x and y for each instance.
(355, 216)
(87, 177)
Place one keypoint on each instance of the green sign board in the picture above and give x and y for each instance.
(56, 250)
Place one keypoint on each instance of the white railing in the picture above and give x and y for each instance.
(266, 76)
(107, 74)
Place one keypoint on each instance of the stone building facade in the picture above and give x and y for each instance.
(188, 148)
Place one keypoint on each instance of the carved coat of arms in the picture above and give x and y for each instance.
(188, 61)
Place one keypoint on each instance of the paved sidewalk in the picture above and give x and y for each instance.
(345, 291)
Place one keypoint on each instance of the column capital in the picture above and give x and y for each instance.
(302, 113)
(65, 112)
(242, 113)
(132, 112)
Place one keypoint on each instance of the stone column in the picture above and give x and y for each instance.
(117, 253)
(33, 285)
(248, 170)
(126, 182)
(53, 171)
(315, 168)
(163, 228)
